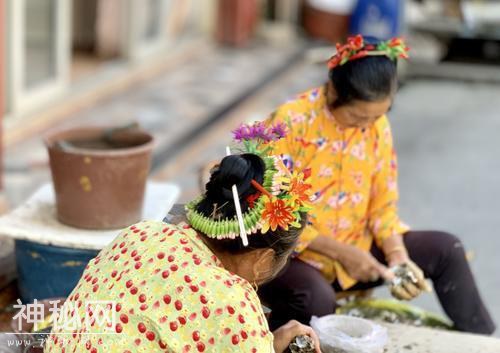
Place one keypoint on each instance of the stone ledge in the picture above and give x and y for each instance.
(406, 339)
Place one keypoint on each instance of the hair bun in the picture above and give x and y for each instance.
(236, 170)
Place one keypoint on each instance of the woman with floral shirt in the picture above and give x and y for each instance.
(341, 134)
(179, 288)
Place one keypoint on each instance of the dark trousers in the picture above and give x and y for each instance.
(300, 291)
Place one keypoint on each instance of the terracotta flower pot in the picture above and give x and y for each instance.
(236, 21)
(330, 26)
(99, 175)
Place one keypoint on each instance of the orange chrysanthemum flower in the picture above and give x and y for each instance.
(276, 214)
(300, 191)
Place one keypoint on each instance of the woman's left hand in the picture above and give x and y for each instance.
(397, 255)
(284, 335)
(408, 290)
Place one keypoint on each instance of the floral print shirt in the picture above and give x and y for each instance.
(354, 176)
(170, 294)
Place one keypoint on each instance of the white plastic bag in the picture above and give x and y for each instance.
(346, 334)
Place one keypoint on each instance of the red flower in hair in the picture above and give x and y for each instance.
(277, 214)
(252, 198)
(345, 52)
(357, 42)
(355, 48)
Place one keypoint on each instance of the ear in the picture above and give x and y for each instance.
(263, 264)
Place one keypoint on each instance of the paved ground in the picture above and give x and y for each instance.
(445, 132)
(447, 137)
(170, 106)
(405, 339)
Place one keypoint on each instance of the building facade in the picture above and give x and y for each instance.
(51, 45)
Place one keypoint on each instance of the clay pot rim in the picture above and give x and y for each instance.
(50, 137)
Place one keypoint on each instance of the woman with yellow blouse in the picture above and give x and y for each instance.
(191, 287)
(341, 134)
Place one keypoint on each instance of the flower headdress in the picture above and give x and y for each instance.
(279, 200)
(356, 48)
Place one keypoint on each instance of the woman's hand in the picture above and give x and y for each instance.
(359, 264)
(362, 266)
(286, 333)
(408, 290)
(396, 255)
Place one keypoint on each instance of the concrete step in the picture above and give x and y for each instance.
(407, 339)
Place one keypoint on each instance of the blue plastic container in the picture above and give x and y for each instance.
(46, 271)
(380, 19)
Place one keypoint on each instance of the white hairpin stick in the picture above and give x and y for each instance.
(237, 206)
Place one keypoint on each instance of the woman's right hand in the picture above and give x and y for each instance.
(286, 333)
(361, 265)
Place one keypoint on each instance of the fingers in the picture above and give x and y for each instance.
(419, 274)
(425, 286)
(310, 332)
(409, 284)
(411, 289)
(295, 329)
(283, 336)
(399, 292)
(385, 272)
(375, 270)
(405, 290)
(374, 276)
(369, 276)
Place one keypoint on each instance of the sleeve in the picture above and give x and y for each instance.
(383, 212)
(292, 152)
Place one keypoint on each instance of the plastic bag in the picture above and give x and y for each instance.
(345, 334)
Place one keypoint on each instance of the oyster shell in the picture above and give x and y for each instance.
(302, 344)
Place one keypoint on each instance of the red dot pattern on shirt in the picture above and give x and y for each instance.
(161, 277)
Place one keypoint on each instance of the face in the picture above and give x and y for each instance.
(360, 114)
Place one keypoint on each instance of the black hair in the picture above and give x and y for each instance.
(371, 79)
(218, 201)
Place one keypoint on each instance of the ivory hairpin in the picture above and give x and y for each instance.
(237, 206)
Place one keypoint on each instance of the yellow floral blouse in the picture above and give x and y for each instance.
(169, 294)
(354, 178)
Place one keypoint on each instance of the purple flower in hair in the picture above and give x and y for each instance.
(259, 133)
(241, 133)
(279, 130)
